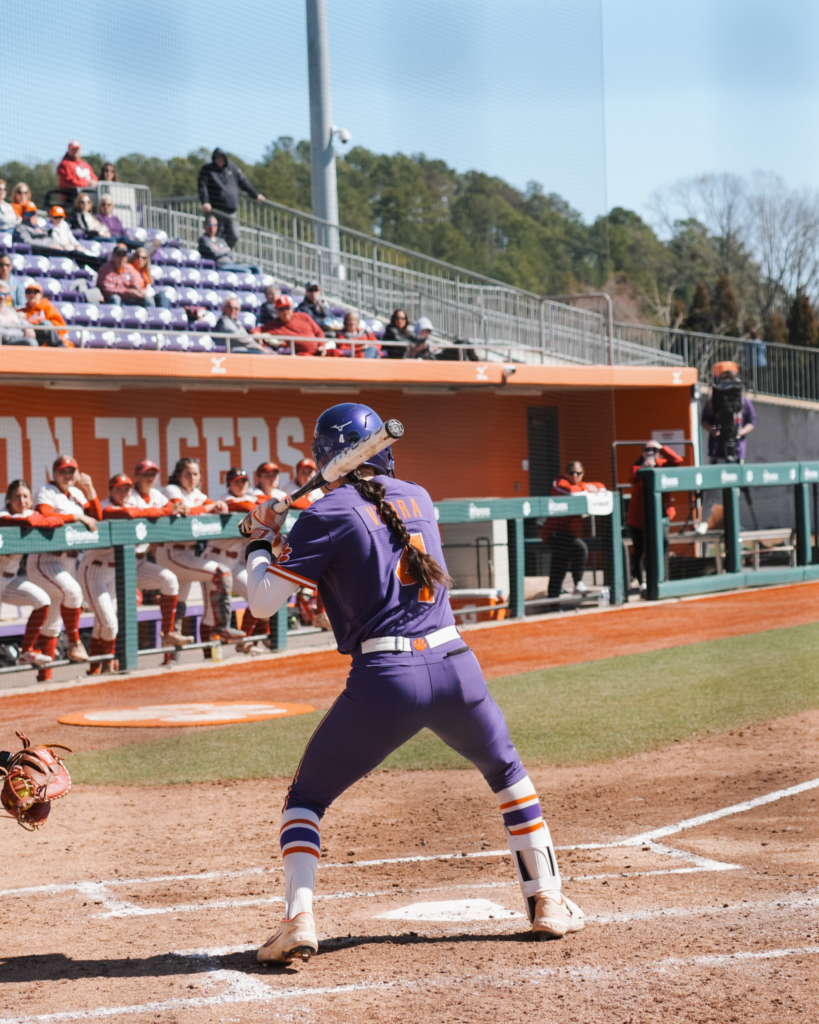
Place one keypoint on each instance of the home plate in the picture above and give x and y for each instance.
(152, 716)
(453, 910)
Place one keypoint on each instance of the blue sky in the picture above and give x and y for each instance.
(514, 89)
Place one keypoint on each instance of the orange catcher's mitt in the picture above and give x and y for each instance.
(32, 778)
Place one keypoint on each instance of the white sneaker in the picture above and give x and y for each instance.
(295, 938)
(33, 658)
(556, 916)
(581, 588)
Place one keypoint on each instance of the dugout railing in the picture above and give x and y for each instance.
(124, 536)
(731, 479)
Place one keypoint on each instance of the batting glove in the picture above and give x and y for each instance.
(264, 522)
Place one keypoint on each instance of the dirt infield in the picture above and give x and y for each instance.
(155, 906)
(503, 649)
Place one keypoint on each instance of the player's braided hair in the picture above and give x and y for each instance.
(422, 566)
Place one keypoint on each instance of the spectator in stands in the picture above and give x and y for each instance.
(120, 282)
(421, 348)
(13, 327)
(21, 193)
(212, 247)
(39, 311)
(354, 332)
(653, 455)
(291, 323)
(106, 216)
(398, 331)
(219, 183)
(228, 323)
(140, 260)
(311, 304)
(14, 285)
(29, 231)
(62, 237)
(268, 313)
(73, 172)
(564, 534)
(108, 172)
(9, 217)
(85, 219)
(726, 374)
(267, 481)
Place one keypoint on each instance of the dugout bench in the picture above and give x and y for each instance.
(730, 478)
(125, 535)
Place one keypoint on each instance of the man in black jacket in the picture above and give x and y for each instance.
(219, 183)
(312, 305)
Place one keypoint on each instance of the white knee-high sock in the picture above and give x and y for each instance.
(528, 838)
(301, 849)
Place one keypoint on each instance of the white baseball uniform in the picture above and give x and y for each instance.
(183, 560)
(55, 571)
(98, 580)
(151, 576)
(16, 589)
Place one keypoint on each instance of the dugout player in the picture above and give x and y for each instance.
(72, 495)
(215, 576)
(372, 548)
(16, 589)
(653, 454)
(563, 533)
(267, 481)
(305, 471)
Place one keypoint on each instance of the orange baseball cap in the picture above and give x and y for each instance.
(120, 480)
(64, 461)
(29, 207)
(145, 467)
(305, 464)
(284, 302)
(56, 211)
(268, 467)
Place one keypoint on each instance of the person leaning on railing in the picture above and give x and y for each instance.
(72, 495)
(218, 185)
(298, 325)
(653, 455)
(563, 534)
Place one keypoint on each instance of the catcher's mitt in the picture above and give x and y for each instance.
(33, 777)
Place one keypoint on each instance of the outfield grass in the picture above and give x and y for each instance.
(593, 711)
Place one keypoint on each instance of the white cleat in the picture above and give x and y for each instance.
(294, 939)
(581, 588)
(556, 916)
(33, 658)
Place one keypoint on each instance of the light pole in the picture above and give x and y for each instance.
(322, 129)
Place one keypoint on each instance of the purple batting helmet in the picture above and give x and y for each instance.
(339, 427)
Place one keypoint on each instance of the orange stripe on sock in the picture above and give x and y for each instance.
(301, 849)
(524, 831)
(514, 803)
(299, 821)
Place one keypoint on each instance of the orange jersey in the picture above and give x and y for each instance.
(568, 524)
(665, 457)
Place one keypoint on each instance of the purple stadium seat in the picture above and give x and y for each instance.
(208, 264)
(180, 320)
(110, 315)
(247, 320)
(63, 267)
(229, 279)
(86, 314)
(247, 282)
(265, 280)
(211, 279)
(137, 236)
(179, 343)
(190, 296)
(22, 247)
(191, 277)
(5, 240)
(250, 301)
(134, 317)
(80, 337)
(211, 299)
(37, 266)
(172, 275)
(85, 273)
(159, 258)
(52, 288)
(192, 258)
(160, 319)
(69, 295)
(103, 339)
(174, 256)
(206, 323)
(377, 327)
(338, 311)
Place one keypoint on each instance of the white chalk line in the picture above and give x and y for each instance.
(643, 839)
(244, 988)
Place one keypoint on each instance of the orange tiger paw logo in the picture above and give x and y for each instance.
(420, 644)
(286, 552)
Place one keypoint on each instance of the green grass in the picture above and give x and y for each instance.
(593, 711)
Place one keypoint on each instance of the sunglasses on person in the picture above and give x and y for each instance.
(575, 472)
(3, 188)
(314, 289)
(401, 318)
(24, 191)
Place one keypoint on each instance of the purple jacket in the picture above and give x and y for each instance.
(716, 445)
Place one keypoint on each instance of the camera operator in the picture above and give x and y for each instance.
(729, 416)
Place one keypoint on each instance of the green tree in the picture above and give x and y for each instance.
(803, 328)
(776, 328)
(700, 317)
(725, 316)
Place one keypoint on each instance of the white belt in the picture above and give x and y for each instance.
(405, 644)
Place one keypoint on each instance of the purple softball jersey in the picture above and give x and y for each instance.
(341, 546)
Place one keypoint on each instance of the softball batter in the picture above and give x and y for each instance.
(373, 550)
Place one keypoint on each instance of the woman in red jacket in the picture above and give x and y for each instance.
(653, 455)
(563, 534)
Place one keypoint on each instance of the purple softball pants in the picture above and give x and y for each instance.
(390, 697)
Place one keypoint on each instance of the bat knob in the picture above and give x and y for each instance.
(395, 428)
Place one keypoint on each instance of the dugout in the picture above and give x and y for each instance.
(474, 430)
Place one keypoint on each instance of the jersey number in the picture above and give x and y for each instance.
(404, 575)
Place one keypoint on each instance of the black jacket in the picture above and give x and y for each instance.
(313, 309)
(267, 313)
(393, 333)
(220, 186)
(215, 249)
